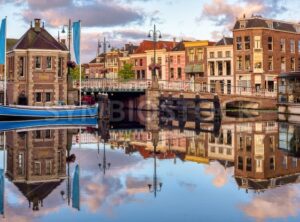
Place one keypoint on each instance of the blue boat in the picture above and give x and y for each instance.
(48, 123)
(48, 112)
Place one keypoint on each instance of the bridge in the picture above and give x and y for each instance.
(236, 96)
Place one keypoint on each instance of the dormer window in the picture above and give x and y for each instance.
(270, 24)
(242, 24)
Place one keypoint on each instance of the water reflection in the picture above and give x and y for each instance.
(254, 160)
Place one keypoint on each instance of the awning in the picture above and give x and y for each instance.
(197, 159)
(194, 68)
(198, 68)
(189, 69)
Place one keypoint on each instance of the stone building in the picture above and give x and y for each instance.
(220, 67)
(37, 69)
(36, 162)
(264, 48)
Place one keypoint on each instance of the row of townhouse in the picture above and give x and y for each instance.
(249, 62)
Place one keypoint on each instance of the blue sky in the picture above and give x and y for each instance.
(123, 21)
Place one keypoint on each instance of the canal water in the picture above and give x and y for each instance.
(141, 169)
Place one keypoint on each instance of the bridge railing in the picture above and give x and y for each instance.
(185, 86)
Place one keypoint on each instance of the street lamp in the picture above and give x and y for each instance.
(155, 35)
(104, 166)
(103, 44)
(156, 186)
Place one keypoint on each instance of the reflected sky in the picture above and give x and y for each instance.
(193, 189)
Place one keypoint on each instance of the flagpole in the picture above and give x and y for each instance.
(5, 79)
(79, 63)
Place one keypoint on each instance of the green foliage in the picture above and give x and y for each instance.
(75, 73)
(126, 73)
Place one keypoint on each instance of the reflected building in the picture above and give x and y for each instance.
(260, 164)
(36, 162)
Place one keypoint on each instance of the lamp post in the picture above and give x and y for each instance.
(104, 166)
(69, 26)
(156, 186)
(155, 35)
(104, 44)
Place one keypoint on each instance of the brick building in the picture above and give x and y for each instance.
(37, 69)
(263, 48)
(196, 57)
(175, 63)
(220, 76)
(36, 162)
(143, 57)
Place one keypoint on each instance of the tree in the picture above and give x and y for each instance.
(126, 73)
(75, 72)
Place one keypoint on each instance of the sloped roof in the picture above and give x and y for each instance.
(225, 41)
(33, 39)
(179, 46)
(10, 43)
(148, 45)
(259, 22)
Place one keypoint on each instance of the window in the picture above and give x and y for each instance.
(285, 162)
(229, 137)
(270, 43)
(212, 86)
(37, 168)
(60, 68)
(240, 163)
(220, 54)
(48, 134)
(272, 163)
(229, 152)
(211, 55)
(221, 150)
(191, 55)
(143, 74)
(48, 97)
(248, 144)
(172, 73)
(270, 63)
(282, 45)
(159, 60)
(141, 62)
(292, 44)
(37, 134)
(21, 66)
(48, 167)
(247, 62)
(171, 59)
(228, 54)
(239, 63)
(293, 65)
(298, 64)
(247, 42)
(249, 164)
(282, 62)
(49, 62)
(178, 59)
(228, 87)
(211, 68)
(200, 54)
(299, 46)
(220, 68)
(213, 149)
(37, 62)
(239, 43)
(179, 73)
(257, 40)
(228, 68)
(21, 164)
(38, 97)
(136, 62)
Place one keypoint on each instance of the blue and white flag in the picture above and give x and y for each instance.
(76, 40)
(2, 41)
(76, 189)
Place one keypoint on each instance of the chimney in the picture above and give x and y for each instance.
(174, 42)
(37, 25)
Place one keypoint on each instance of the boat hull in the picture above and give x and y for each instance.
(48, 112)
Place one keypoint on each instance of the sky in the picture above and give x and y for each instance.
(124, 21)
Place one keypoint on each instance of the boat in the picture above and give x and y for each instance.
(48, 111)
(61, 123)
(289, 97)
